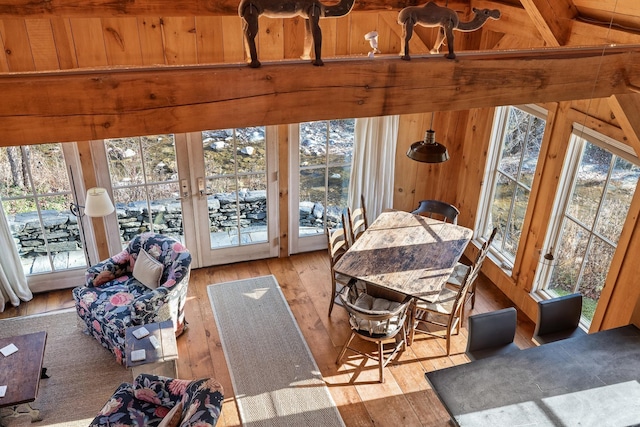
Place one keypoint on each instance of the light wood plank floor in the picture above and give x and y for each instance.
(404, 399)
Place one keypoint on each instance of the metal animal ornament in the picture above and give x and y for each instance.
(310, 10)
(431, 15)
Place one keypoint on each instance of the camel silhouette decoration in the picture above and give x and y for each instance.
(310, 10)
(431, 15)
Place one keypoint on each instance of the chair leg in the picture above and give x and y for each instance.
(381, 360)
(333, 296)
(344, 348)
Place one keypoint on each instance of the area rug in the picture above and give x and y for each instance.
(82, 374)
(275, 378)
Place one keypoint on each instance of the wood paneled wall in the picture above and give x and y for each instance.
(36, 39)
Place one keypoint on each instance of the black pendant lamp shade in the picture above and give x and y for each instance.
(428, 151)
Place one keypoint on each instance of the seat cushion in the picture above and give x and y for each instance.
(457, 276)
(442, 305)
(375, 306)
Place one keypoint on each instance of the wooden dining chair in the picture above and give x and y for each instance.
(379, 315)
(460, 270)
(439, 210)
(357, 220)
(337, 245)
(443, 317)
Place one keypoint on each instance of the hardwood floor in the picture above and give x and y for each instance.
(404, 399)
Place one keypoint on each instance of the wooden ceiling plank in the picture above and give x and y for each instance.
(4, 65)
(626, 108)
(43, 46)
(552, 18)
(88, 40)
(122, 41)
(17, 46)
(210, 39)
(151, 41)
(179, 35)
(63, 37)
(181, 99)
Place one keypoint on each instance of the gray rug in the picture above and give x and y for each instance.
(83, 374)
(275, 378)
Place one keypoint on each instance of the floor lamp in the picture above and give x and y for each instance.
(98, 204)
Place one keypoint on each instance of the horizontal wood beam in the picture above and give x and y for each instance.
(102, 8)
(82, 105)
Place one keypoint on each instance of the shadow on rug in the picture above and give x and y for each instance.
(82, 374)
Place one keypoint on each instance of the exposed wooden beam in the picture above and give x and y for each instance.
(552, 18)
(627, 110)
(83, 105)
(515, 21)
(102, 8)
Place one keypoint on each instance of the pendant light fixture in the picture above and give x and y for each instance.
(428, 150)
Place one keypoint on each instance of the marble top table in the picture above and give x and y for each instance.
(407, 253)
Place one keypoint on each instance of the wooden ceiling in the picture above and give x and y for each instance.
(103, 68)
(47, 35)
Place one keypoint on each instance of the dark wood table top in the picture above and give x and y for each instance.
(591, 380)
(407, 253)
(165, 334)
(21, 371)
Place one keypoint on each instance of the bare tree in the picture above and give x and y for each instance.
(16, 176)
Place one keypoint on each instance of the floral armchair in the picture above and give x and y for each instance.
(153, 401)
(145, 283)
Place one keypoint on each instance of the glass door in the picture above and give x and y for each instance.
(234, 193)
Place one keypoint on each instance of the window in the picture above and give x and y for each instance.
(322, 157)
(144, 180)
(517, 137)
(36, 185)
(599, 179)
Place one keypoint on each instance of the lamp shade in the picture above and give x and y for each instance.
(428, 151)
(98, 202)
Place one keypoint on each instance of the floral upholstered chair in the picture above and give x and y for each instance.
(161, 401)
(145, 283)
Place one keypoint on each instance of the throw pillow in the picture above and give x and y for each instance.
(147, 270)
(172, 419)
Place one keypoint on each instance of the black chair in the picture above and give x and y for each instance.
(491, 333)
(438, 210)
(558, 319)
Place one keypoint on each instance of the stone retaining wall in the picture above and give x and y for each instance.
(63, 235)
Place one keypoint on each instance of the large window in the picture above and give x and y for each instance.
(515, 146)
(599, 179)
(37, 190)
(322, 158)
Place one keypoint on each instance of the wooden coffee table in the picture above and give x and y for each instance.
(162, 361)
(21, 372)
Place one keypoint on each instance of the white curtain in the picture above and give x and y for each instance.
(373, 166)
(13, 282)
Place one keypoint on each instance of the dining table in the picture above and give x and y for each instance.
(406, 253)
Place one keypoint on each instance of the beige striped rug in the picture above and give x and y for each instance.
(82, 374)
(275, 379)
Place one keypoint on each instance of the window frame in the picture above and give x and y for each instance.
(491, 174)
(580, 136)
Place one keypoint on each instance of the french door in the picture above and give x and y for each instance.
(209, 189)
